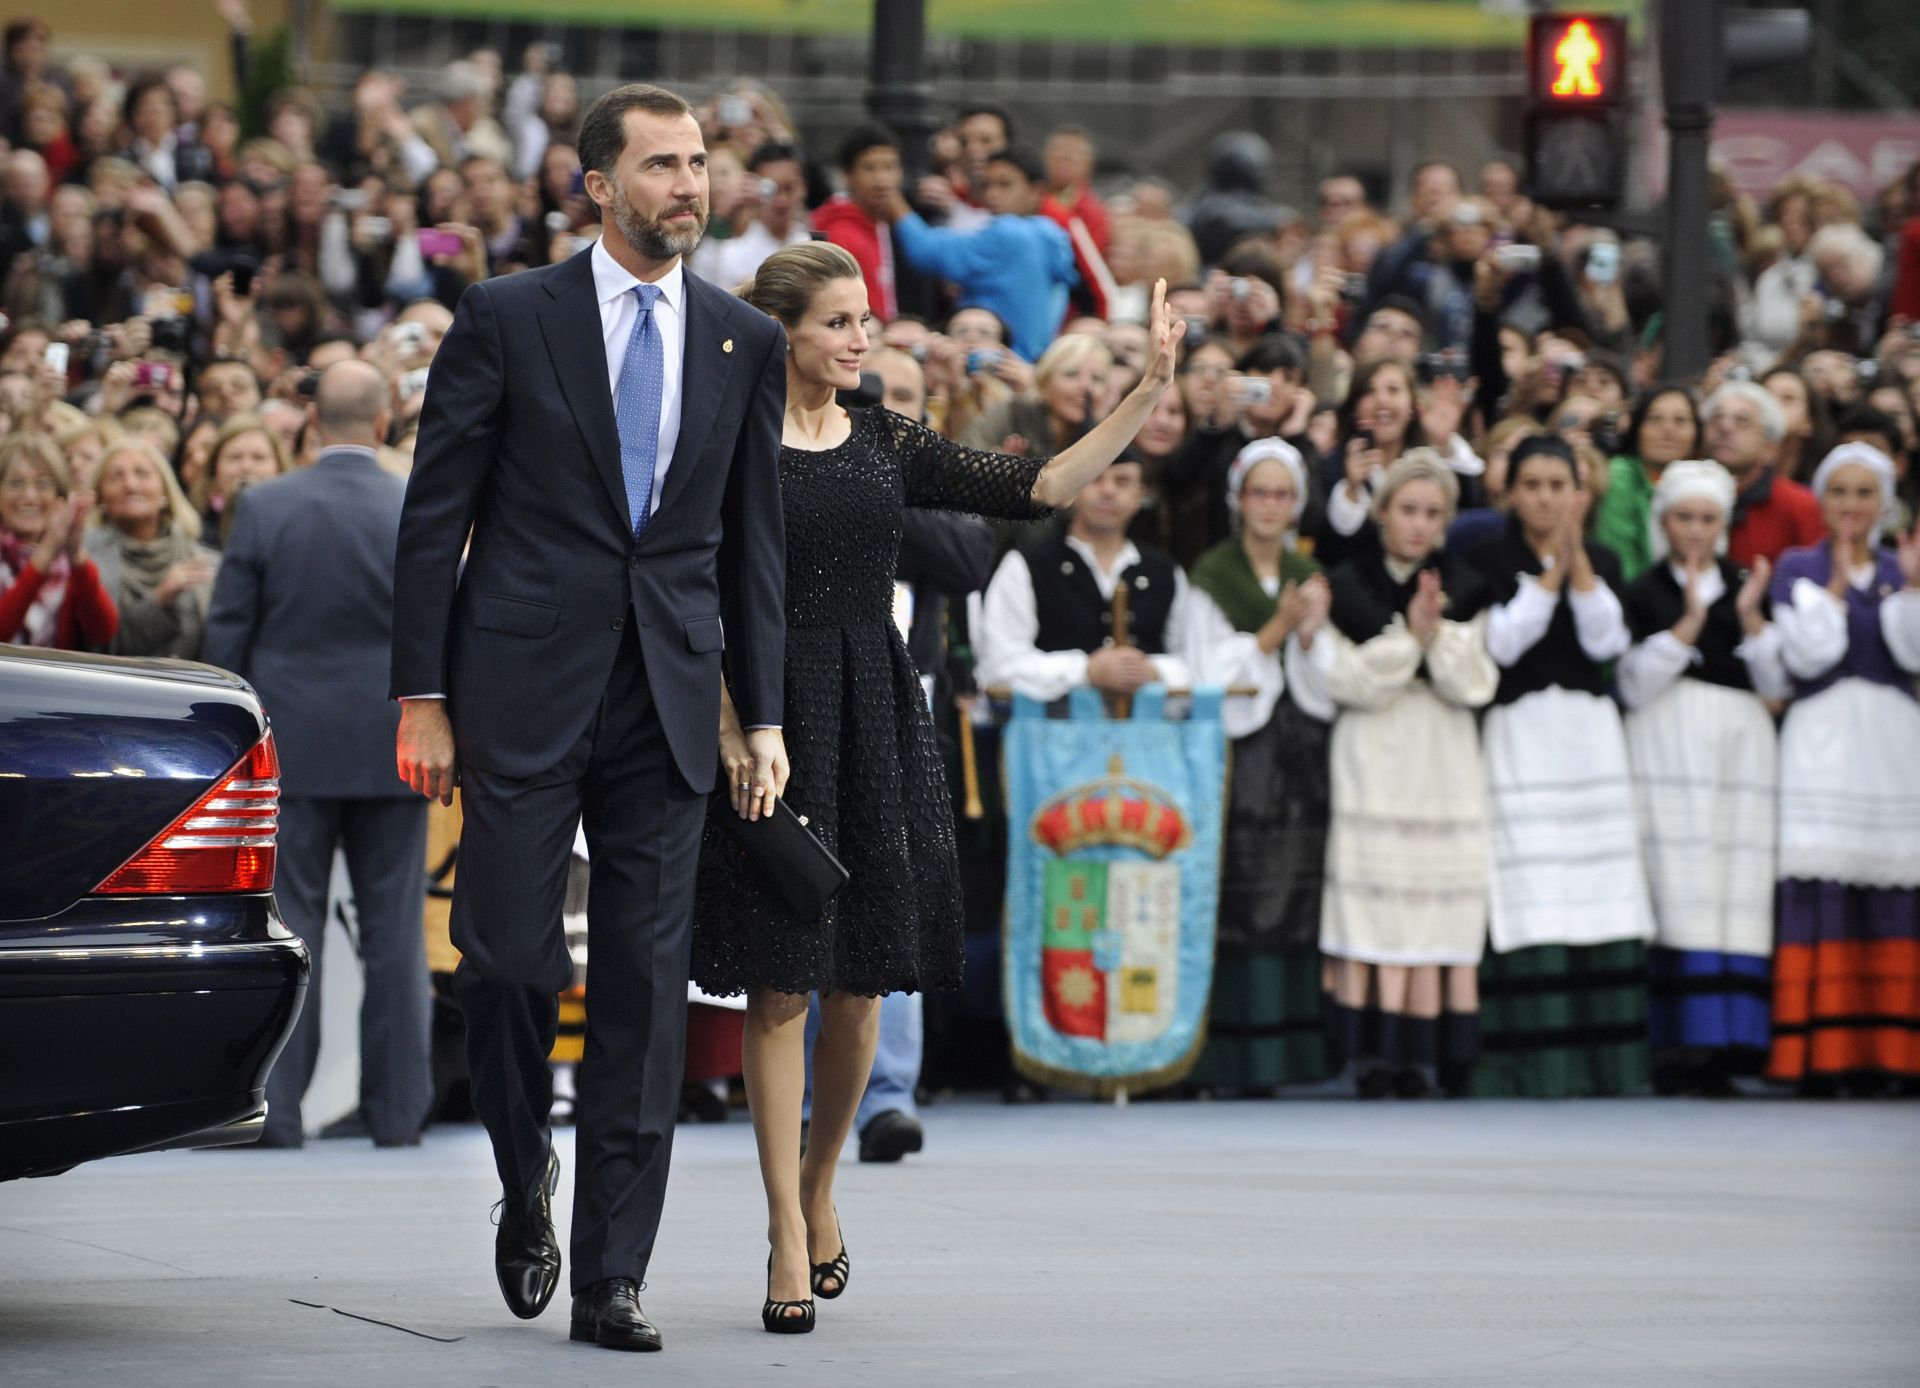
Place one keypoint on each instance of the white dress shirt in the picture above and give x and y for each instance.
(738, 258)
(1010, 625)
(619, 310)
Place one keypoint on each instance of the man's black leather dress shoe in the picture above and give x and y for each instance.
(526, 1251)
(890, 1136)
(608, 1314)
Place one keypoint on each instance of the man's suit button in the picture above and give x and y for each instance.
(617, 623)
(633, 561)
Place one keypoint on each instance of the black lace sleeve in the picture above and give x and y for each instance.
(941, 475)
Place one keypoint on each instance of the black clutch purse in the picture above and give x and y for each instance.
(785, 852)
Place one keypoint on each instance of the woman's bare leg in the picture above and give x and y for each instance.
(773, 1061)
(842, 1064)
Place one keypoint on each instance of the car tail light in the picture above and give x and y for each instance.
(223, 842)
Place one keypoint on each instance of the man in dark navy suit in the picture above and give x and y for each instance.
(303, 610)
(608, 432)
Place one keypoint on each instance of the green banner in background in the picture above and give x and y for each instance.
(1275, 23)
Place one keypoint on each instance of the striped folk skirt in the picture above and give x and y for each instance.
(1846, 969)
(1264, 1023)
(1706, 781)
(1563, 1021)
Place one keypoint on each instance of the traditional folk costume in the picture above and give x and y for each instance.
(1564, 993)
(1705, 774)
(1050, 606)
(1846, 999)
(1264, 1024)
(1407, 853)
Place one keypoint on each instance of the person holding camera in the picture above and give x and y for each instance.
(1020, 264)
(1264, 396)
(1068, 383)
(777, 182)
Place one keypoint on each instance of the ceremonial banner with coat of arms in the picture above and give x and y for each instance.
(1113, 880)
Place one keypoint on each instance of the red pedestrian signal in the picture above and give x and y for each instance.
(1576, 58)
(1576, 53)
(1577, 96)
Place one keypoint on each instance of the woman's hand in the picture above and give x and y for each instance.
(1361, 464)
(1908, 553)
(1317, 601)
(1693, 616)
(53, 539)
(1753, 592)
(1289, 610)
(1164, 334)
(755, 764)
(1443, 405)
(196, 572)
(1423, 610)
(80, 512)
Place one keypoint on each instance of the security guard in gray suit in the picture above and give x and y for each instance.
(303, 610)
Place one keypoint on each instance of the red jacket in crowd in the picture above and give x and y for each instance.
(1906, 273)
(87, 617)
(848, 225)
(1772, 516)
(1092, 214)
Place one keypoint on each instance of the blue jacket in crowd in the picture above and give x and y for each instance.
(1019, 267)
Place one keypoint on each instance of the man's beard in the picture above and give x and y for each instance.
(650, 238)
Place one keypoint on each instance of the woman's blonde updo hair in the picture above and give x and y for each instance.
(784, 285)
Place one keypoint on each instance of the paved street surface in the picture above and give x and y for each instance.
(1483, 1245)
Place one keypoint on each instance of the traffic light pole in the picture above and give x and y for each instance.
(1689, 67)
(899, 95)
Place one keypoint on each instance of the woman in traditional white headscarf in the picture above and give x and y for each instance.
(1255, 602)
(1846, 978)
(1701, 744)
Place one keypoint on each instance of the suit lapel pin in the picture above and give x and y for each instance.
(727, 346)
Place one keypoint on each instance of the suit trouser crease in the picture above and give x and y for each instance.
(385, 843)
(643, 827)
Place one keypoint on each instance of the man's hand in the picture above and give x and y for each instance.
(1119, 669)
(424, 749)
(935, 194)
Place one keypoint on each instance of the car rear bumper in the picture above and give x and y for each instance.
(136, 1025)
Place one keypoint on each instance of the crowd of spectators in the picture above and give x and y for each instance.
(173, 281)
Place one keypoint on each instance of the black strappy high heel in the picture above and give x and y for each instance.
(774, 1317)
(839, 1269)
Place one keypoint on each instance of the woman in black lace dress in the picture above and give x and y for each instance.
(859, 736)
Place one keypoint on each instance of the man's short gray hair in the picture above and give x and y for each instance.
(1773, 422)
(461, 80)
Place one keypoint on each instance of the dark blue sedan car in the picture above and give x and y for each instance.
(146, 980)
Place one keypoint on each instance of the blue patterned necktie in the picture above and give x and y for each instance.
(636, 409)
